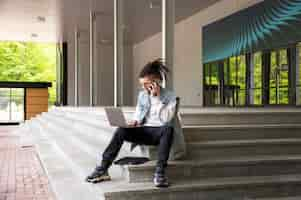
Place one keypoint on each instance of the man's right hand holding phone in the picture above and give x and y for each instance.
(154, 89)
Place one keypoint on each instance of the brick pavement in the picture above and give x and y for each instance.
(21, 174)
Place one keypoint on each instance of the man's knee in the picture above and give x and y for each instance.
(121, 132)
(168, 131)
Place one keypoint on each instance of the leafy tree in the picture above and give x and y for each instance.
(28, 61)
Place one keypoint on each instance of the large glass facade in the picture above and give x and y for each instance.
(246, 80)
(225, 82)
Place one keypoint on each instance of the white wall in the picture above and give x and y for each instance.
(144, 52)
(187, 69)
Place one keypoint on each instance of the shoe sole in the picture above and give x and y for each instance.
(162, 185)
(99, 179)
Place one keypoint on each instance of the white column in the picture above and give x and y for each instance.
(118, 53)
(92, 48)
(76, 41)
(168, 23)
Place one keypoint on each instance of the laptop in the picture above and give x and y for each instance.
(116, 117)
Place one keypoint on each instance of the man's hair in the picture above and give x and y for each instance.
(155, 68)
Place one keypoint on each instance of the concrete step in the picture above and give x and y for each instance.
(94, 121)
(79, 162)
(87, 137)
(210, 116)
(224, 116)
(220, 188)
(193, 170)
(202, 149)
(197, 133)
(279, 198)
(239, 148)
(88, 144)
(241, 132)
(61, 171)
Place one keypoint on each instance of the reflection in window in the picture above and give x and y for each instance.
(237, 79)
(256, 83)
(279, 77)
(212, 86)
(241, 80)
(11, 105)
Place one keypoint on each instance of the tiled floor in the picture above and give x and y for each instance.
(21, 174)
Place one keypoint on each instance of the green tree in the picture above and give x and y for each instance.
(28, 61)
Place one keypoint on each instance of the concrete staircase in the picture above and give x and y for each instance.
(231, 154)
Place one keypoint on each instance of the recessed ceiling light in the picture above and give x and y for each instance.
(34, 35)
(41, 19)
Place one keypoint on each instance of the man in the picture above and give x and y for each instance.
(153, 124)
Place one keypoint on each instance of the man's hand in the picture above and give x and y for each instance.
(154, 89)
(133, 123)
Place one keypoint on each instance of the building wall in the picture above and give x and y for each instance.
(187, 69)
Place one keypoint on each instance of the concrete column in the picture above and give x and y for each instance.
(92, 51)
(168, 24)
(76, 42)
(118, 52)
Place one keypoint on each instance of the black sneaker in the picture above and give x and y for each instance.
(160, 180)
(98, 175)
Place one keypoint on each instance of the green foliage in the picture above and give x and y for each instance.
(235, 75)
(27, 61)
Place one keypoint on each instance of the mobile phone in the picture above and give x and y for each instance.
(158, 82)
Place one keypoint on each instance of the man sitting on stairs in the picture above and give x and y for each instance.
(155, 123)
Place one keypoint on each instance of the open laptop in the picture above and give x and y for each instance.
(116, 117)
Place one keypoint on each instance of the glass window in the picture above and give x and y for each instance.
(256, 83)
(241, 79)
(279, 77)
(11, 105)
(273, 77)
(212, 86)
(298, 88)
(4, 104)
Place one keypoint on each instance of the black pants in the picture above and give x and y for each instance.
(161, 136)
